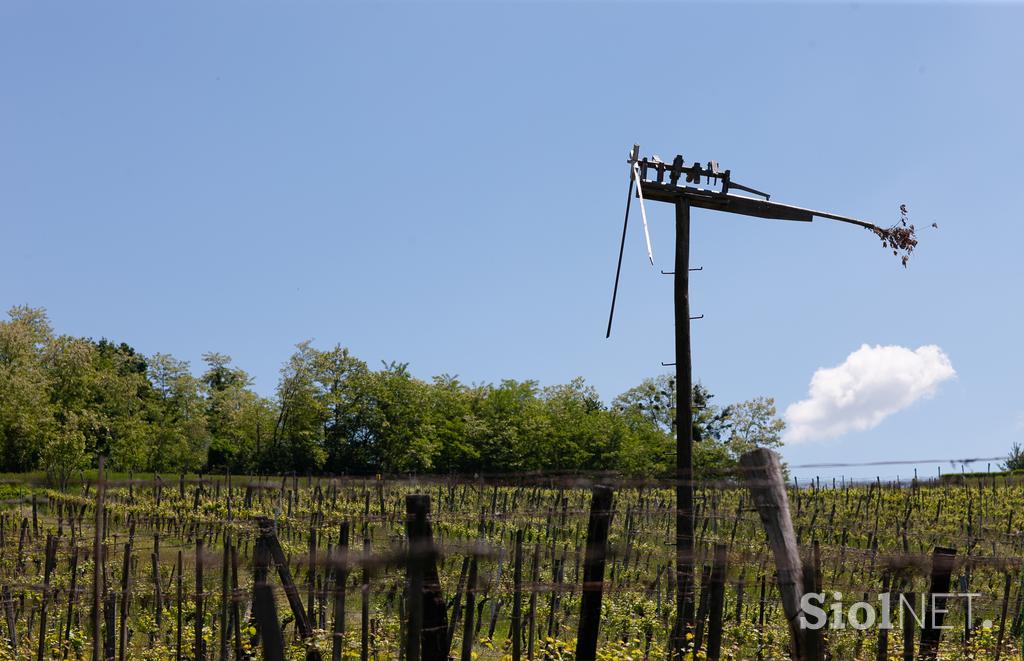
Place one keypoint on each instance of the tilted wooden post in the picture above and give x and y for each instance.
(762, 473)
(593, 573)
(268, 543)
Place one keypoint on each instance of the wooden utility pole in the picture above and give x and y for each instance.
(691, 186)
(684, 432)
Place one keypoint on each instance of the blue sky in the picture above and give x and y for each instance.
(443, 184)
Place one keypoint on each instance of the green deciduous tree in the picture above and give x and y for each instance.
(180, 433)
(754, 424)
(65, 400)
(26, 416)
(1014, 460)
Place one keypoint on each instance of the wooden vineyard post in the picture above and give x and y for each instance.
(12, 631)
(50, 564)
(468, 631)
(813, 641)
(453, 621)
(281, 562)
(593, 573)
(311, 574)
(266, 620)
(534, 580)
(740, 589)
(428, 626)
(110, 621)
(762, 473)
(1008, 582)
(97, 570)
(1015, 628)
(126, 590)
(517, 599)
(718, 571)
(225, 596)
(908, 599)
(235, 606)
(414, 600)
(364, 596)
(702, 607)
(198, 650)
(178, 586)
(340, 577)
(158, 605)
(882, 648)
(935, 606)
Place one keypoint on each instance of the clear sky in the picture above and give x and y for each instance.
(443, 184)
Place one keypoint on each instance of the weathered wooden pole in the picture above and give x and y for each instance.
(225, 597)
(8, 603)
(273, 545)
(882, 648)
(158, 598)
(517, 599)
(126, 591)
(266, 619)
(534, 581)
(97, 569)
(72, 594)
(428, 625)
(1002, 616)
(456, 601)
(684, 432)
(199, 645)
(178, 586)
(340, 578)
(907, 603)
(813, 642)
(762, 473)
(717, 602)
(935, 605)
(236, 610)
(50, 565)
(468, 630)
(364, 592)
(593, 573)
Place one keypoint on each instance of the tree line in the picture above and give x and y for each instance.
(66, 400)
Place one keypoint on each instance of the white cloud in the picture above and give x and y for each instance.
(870, 385)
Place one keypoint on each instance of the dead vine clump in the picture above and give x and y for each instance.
(900, 238)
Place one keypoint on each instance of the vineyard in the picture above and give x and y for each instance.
(222, 567)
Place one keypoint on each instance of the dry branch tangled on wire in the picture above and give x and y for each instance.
(901, 237)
